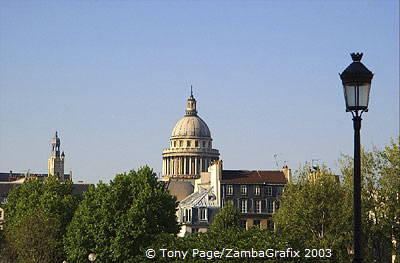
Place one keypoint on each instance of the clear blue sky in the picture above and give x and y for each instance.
(113, 78)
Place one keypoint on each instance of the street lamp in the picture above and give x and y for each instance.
(356, 80)
(92, 257)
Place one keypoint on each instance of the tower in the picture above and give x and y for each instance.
(190, 151)
(56, 160)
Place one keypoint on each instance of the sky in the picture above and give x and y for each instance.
(113, 77)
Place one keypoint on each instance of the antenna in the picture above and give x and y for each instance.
(315, 166)
(276, 160)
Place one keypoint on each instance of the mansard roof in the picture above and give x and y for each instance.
(202, 198)
(252, 177)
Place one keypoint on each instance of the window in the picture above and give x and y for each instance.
(257, 223)
(243, 189)
(174, 143)
(203, 214)
(258, 206)
(196, 143)
(270, 207)
(188, 144)
(279, 190)
(257, 190)
(204, 144)
(209, 144)
(243, 208)
(195, 230)
(187, 215)
(229, 190)
(269, 190)
(180, 143)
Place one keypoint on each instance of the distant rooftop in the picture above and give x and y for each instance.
(253, 177)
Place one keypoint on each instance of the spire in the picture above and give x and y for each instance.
(191, 104)
(55, 145)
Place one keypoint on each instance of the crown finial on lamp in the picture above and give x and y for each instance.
(356, 57)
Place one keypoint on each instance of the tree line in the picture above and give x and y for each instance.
(121, 220)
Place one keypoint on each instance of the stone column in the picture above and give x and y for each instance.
(190, 166)
(181, 163)
(167, 165)
(175, 165)
(195, 165)
(184, 165)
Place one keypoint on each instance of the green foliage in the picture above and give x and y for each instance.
(227, 217)
(36, 215)
(116, 220)
(228, 238)
(380, 175)
(316, 214)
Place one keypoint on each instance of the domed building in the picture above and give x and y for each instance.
(190, 151)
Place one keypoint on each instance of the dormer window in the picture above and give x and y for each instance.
(196, 143)
(188, 144)
(180, 143)
(204, 144)
(174, 143)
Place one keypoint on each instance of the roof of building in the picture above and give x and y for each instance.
(203, 197)
(179, 189)
(191, 126)
(253, 177)
(11, 176)
(4, 177)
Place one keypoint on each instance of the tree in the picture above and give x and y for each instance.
(232, 238)
(380, 170)
(315, 213)
(36, 215)
(116, 220)
(227, 217)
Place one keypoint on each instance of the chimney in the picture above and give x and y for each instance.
(288, 173)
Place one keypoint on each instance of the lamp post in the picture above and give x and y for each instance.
(356, 80)
(92, 257)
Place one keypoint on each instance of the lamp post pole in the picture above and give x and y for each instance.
(356, 80)
(357, 189)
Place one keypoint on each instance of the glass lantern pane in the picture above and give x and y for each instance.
(364, 95)
(350, 95)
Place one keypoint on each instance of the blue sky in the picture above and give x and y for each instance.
(113, 78)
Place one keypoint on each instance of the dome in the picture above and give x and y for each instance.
(191, 126)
